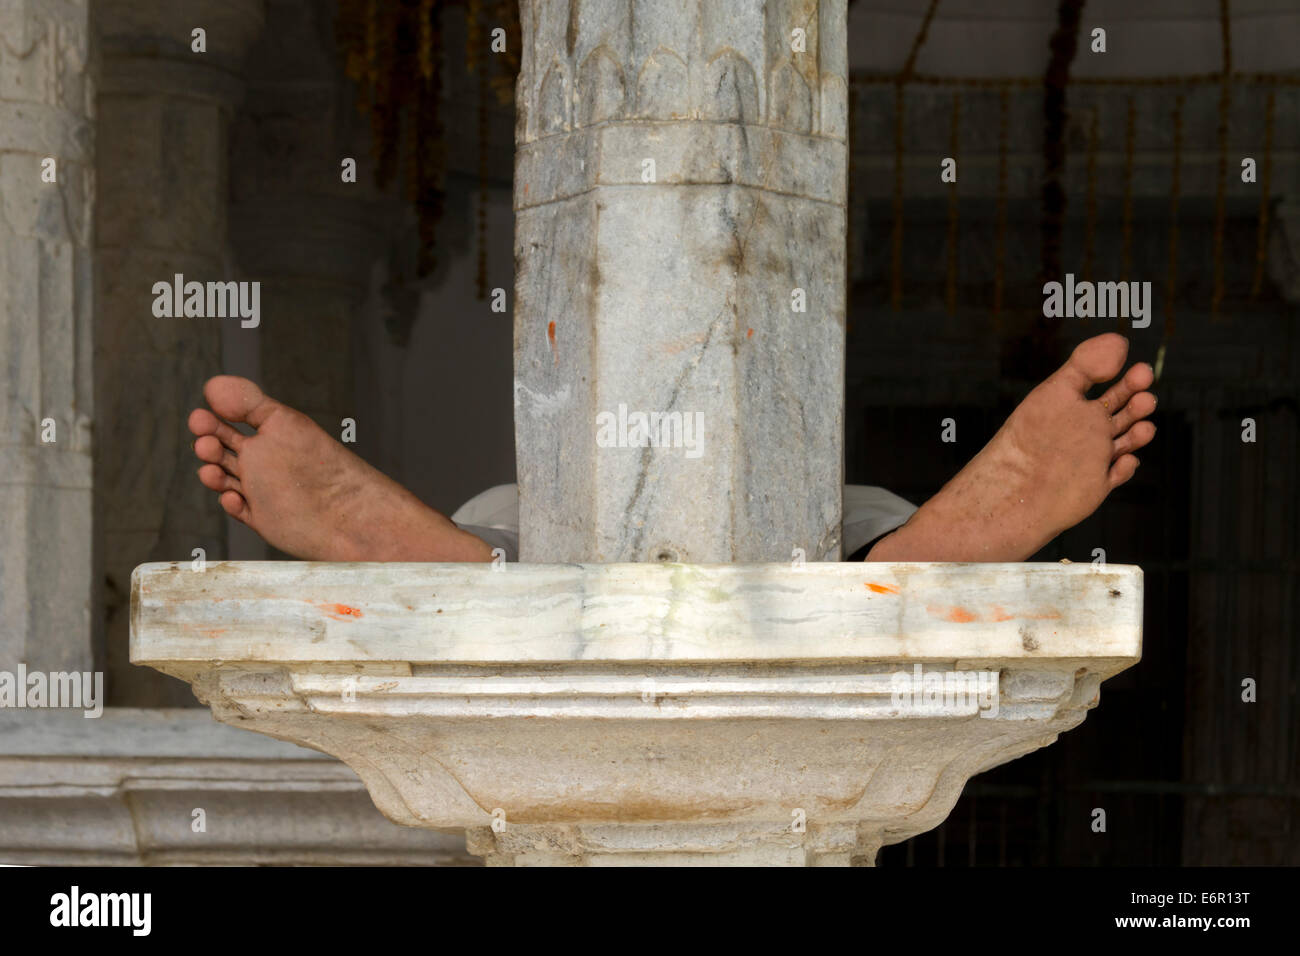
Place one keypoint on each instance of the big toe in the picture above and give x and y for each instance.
(237, 399)
(1095, 360)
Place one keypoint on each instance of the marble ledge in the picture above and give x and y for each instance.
(531, 613)
(635, 714)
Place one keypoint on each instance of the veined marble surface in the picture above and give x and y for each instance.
(513, 613)
(680, 221)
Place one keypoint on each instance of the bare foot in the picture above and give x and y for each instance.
(1048, 467)
(305, 493)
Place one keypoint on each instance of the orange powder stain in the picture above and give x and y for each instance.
(1001, 615)
(749, 334)
(340, 611)
(882, 588)
(550, 334)
(958, 615)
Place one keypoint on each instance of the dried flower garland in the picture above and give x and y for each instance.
(395, 51)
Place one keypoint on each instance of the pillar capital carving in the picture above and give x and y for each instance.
(780, 65)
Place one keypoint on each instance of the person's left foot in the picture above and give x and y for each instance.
(1050, 465)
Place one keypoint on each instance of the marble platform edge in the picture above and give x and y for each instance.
(524, 614)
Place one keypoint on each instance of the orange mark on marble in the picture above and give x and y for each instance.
(997, 613)
(550, 335)
(881, 588)
(749, 334)
(957, 615)
(340, 611)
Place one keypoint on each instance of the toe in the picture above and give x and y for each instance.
(1139, 436)
(234, 505)
(1138, 407)
(229, 437)
(1095, 360)
(215, 478)
(1122, 469)
(238, 400)
(1139, 377)
(208, 448)
(203, 422)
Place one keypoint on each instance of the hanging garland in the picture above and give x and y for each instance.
(1090, 214)
(1265, 189)
(1064, 44)
(475, 33)
(1130, 140)
(900, 103)
(395, 52)
(1000, 242)
(1225, 103)
(954, 145)
(1175, 195)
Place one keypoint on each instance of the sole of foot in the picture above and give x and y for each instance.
(305, 493)
(1051, 465)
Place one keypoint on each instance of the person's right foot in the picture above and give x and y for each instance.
(305, 493)
(1049, 466)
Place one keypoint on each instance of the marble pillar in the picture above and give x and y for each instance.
(680, 188)
(47, 190)
(163, 171)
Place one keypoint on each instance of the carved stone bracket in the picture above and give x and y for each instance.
(650, 713)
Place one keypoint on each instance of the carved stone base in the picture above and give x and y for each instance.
(636, 714)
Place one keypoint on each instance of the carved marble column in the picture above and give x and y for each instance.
(47, 189)
(680, 215)
(163, 174)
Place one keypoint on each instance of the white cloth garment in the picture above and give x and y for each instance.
(869, 513)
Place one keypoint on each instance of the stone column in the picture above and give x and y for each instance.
(46, 215)
(163, 174)
(680, 191)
